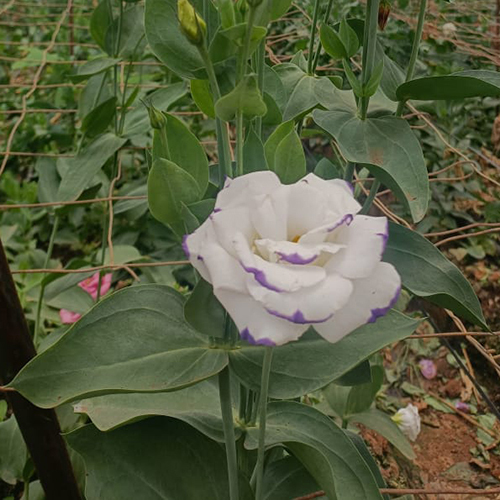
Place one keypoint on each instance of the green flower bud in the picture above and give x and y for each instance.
(192, 25)
(157, 119)
(384, 10)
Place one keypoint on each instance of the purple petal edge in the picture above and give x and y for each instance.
(298, 317)
(247, 336)
(295, 258)
(378, 312)
(185, 246)
(261, 278)
(350, 186)
(385, 237)
(347, 219)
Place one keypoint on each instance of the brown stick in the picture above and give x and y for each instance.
(40, 428)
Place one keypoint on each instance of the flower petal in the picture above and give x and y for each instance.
(68, 317)
(237, 191)
(269, 214)
(365, 239)
(193, 244)
(313, 305)
(227, 222)
(255, 324)
(328, 230)
(276, 277)
(371, 298)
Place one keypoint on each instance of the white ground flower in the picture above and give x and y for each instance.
(284, 257)
(449, 29)
(408, 420)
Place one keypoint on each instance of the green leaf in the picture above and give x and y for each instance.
(273, 116)
(254, 158)
(85, 166)
(355, 84)
(245, 98)
(287, 478)
(187, 152)
(197, 405)
(135, 340)
(392, 77)
(374, 82)
(168, 187)
(285, 154)
(99, 23)
(99, 118)
(13, 452)
(302, 98)
(380, 422)
(311, 363)
(360, 374)
(129, 30)
(389, 149)
(158, 459)
(427, 273)
(471, 83)
(202, 96)
(204, 312)
(331, 42)
(322, 448)
(94, 67)
(348, 38)
(48, 179)
(167, 41)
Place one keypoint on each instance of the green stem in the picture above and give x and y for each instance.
(414, 50)
(259, 69)
(222, 135)
(310, 56)
(229, 437)
(243, 403)
(42, 285)
(264, 386)
(239, 142)
(369, 48)
(120, 23)
(242, 63)
(325, 21)
(371, 196)
(349, 171)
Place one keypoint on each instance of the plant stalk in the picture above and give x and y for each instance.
(325, 21)
(264, 387)
(229, 437)
(371, 196)
(42, 285)
(260, 56)
(414, 50)
(310, 56)
(349, 171)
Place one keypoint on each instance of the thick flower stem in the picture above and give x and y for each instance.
(259, 60)
(414, 50)
(240, 138)
(369, 48)
(55, 225)
(349, 171)
(310, 60)
(223, 149)
(371, 196)
(264, 386)
(228, 423)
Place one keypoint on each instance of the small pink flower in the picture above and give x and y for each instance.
(428, 368)
(90, 284)
(69, 316)
(460, 405)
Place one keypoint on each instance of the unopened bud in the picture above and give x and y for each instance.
(192, 25)
(157, 119)
(384, 10)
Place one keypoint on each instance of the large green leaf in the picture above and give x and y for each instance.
(168, 42)
(311, 363)
(136, 340)
(97, 121)
(94, 67)
(322, 447)
(157, 459)
(99, 23)
(85, 165)
(197, 405)
(388, 147)
(13, 452)
(471, 83)
(380, 422)
(427, 273)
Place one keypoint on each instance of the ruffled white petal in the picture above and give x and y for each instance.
(255, 324)
(238, 191)
(307, 306)
(276, 277)
(326, 231)
(193, 243)
(365, 239)
(371, 298)
(269, 214)
(226, 221)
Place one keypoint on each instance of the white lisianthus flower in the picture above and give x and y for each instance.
(284, 257)
(408, 420)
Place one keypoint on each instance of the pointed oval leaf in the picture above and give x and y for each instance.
(289, 159)
(135, 340)
(322, 447)
(349, 38)
(311, 363)
(254, 158)
(388, 147)
(94, 67)
(331, 42)
(176, 463)
(99, 118)
(202, 96)
(427, 273)
(471, 83)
